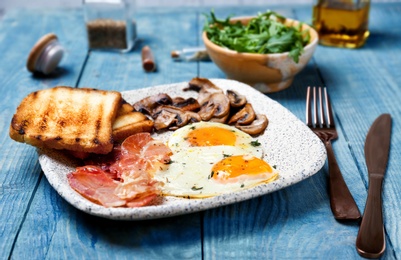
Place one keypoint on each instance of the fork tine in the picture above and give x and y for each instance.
(308, 108)
(321, 109)
(315, 113)
(328, 109)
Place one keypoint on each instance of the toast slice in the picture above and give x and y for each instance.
(129, 123)
(75, 119)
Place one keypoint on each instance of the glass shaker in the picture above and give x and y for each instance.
(342, 23)
(110, 24)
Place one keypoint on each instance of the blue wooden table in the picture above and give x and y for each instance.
(293, 223)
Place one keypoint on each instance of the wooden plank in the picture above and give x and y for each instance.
(69, 233)
(163, 31)
(277, 225)
(292, 223)
(63, 232)
(365, 82)
(21, 172)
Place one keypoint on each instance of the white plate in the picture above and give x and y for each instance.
(288, 143)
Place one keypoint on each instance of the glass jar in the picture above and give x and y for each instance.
(110, 24)
(342, 23)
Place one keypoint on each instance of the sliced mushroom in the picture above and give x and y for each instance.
(243, 117)
(148, 104)
(203, 84)
(168, 116)
(217, 105)
(189, 104)
(163, 120)
(204, 87)
(257, 127)
(236, 99)
(207, 110)
(193, 117)
(222, 120)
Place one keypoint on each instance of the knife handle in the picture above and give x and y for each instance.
(370, 241)
(342, 203)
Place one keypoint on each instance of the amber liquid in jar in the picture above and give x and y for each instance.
(341, 23)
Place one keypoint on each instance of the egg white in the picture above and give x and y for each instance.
(190, 171)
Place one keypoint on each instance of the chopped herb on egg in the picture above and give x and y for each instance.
(242, 185)
(226, 155)
(274, 166)
(255, 143)
(192, 127)
(211, 175)
(196, 188)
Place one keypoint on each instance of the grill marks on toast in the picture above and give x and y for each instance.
(67, 118)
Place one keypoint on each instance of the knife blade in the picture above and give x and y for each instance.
(370, 240)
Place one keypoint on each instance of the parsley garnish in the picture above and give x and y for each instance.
(196, 188)
(264, 34)
(255, 143)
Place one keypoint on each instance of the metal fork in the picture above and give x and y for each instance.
(342, 203)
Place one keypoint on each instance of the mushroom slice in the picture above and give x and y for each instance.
(189, 104)
(222, 120)
(218, 106)
(257, 127)
(207, 111)
(163, 120)
(204, 87)
(148, 104)
(169, 116)
(243, 117)
(203, 84)
(236, 99)
(193, 117)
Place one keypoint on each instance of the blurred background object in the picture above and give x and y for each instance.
(4, 4)
(342, 23)
(110, 24)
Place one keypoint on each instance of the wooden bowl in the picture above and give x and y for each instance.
(265, 72)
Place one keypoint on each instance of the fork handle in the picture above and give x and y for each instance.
(342, 203)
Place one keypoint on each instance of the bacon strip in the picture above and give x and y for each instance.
(128, 179)
(92, 183)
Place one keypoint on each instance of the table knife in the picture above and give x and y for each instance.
(370, 241)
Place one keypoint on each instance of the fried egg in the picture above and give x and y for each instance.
(210, 159)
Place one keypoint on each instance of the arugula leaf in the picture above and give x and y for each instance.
(264, 34)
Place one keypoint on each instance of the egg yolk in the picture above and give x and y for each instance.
(211, 136)
(234, 166)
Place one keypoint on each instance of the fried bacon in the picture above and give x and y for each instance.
(126, 180)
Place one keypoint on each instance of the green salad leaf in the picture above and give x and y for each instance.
(264, 34)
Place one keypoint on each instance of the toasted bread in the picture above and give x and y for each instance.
(130, 123)
(125, 109)
(67, 118)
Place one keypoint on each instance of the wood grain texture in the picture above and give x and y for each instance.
(369, 86)
(287, 231)
(293, 223)
(163, 32)
(20, 171)
(69, 233)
